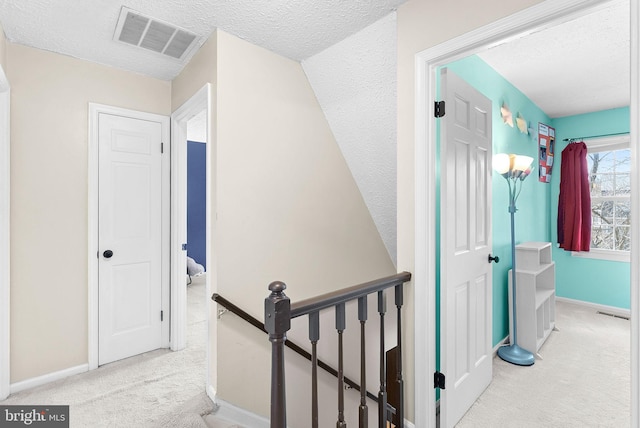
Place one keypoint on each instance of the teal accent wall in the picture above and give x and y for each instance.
(533, 218)
(596, 281)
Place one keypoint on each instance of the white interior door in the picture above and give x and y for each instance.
(129, 237)
(466, 287)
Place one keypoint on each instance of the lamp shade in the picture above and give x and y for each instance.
(512, 165)
(501, 163)
(521, 162)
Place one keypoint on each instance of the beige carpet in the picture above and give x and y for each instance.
(159, 388)
(583, 380)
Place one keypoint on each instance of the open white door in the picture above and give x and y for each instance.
(465, 287)
(130, 237)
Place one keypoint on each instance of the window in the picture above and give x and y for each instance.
(609, 165)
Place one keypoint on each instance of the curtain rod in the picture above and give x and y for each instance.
(596, 136)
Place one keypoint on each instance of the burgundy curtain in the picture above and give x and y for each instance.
(574, 203)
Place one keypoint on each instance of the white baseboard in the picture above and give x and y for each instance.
(47, 378)
(211, 393)
(500, 344)
(603, 308)
(240, 416)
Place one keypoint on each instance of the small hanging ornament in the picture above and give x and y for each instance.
(507, 118)
(522, 124)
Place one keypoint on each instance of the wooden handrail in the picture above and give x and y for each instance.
(328, 300)
(291, 345)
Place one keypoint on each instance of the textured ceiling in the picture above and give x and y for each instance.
(576, 67)
(84, 28)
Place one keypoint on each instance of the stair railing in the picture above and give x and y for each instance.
(278, 315)
(234, 309)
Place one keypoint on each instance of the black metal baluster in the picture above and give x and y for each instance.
(399, 380)
(382, 394)
(364, 411)
(314, 336)
(277, 321)
(340, 326)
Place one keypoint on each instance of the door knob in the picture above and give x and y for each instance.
(495, 259)
(107, 254)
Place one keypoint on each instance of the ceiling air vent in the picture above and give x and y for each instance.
(137, 29)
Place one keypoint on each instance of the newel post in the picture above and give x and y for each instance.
(277, 321)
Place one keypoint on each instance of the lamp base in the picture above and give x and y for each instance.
(516, 355)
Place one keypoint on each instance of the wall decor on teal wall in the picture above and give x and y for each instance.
(546, 147)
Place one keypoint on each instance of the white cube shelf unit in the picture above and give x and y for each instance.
(535, 295)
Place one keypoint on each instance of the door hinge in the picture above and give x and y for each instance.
(439, 109)
(184, 247)
(161, 315)
(161, 147)
(438, 380)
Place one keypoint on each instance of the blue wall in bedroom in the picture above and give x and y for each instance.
(196, 199)
(533, 218)
(596, 281)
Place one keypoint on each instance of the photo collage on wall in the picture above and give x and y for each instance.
(546, 141)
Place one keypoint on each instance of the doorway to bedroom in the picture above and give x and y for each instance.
(196, 229)
(434, 57)
(192, 152)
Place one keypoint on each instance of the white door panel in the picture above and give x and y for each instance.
(466, 283)
(130, 226)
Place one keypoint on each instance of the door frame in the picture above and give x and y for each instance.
(547, 14)
(5, 246)
(93, 221)
(198, 102)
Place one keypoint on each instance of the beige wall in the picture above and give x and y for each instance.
(423, 24)
(200, 71)
(288, 207)
(49, 126)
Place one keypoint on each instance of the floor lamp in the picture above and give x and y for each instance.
(514, 168)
